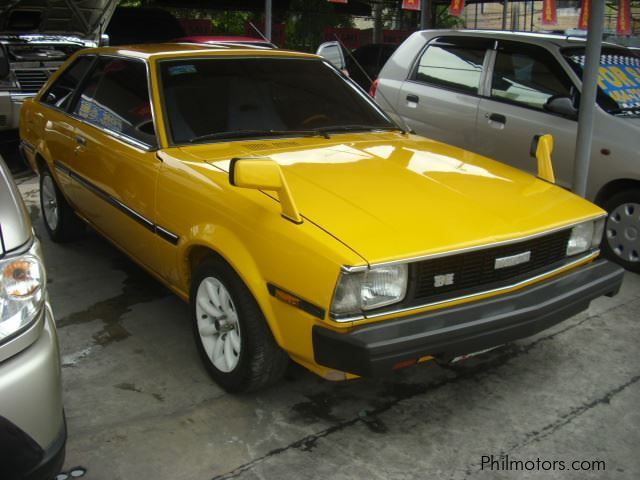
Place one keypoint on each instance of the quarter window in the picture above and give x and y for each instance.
(451, 67)
(61, 92)
(116, 98)
(528, 78)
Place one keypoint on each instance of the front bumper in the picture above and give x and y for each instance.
(10, 106)
(33, 432)
(467, 328)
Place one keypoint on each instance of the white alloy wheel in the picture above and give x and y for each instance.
(218, 325)
(49, 202)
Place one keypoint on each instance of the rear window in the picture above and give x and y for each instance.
(221, 98)
(451, 67)
(618, 79)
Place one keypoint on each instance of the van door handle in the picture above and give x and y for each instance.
(413, 98)
(496, 117)
(80, 140)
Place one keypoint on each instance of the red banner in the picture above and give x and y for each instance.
(549, 12)
(411, 4)
(456, 7)
(624, 17)
(585, 10)
(338, 1)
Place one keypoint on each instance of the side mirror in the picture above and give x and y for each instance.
(264, 174)
(541, 150)
(104, 40)
(562, 106)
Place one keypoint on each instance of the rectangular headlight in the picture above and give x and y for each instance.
(585, 236)
(369, 289)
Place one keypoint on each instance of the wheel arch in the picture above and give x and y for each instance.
(228, 248)
(613, 187)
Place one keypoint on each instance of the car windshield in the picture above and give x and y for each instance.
(218, 99)
(618, 79)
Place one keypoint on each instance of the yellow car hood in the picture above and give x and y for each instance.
(390, 197)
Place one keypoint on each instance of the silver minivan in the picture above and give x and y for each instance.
(32, 426)
(492, 92)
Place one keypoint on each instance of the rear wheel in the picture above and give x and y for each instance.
(621, 242)
(61, 222)
(231, 333)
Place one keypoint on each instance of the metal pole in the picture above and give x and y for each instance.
(267, 18)
(588, 98)
(424, 15)
(505, 3)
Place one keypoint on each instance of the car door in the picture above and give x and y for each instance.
(114, 160)
(440, 99)
(59, 129)
(523, 77)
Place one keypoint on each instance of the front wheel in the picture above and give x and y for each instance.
(621, 242)
(231, 333)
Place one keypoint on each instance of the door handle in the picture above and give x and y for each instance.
(80, 140)
(413, 98)
(496, 117)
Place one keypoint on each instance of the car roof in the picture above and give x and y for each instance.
(171, 50)
(530, 37)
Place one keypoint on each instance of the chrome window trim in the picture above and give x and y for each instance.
(119, 136)
(590, 256)
(361, 268)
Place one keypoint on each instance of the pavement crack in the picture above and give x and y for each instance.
(568, 417)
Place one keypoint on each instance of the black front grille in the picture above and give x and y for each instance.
(475, 271)
(31, 81)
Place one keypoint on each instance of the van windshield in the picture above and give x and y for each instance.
(618, 79)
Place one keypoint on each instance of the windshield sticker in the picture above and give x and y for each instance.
(182, 69)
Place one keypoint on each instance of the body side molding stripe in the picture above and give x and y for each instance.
(141, 219)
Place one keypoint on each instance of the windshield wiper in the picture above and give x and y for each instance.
(357, 128)
(236, 134)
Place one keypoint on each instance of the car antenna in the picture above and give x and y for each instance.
(260, 33)
(404, 127)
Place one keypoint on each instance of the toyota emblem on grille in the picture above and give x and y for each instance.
(512, 260)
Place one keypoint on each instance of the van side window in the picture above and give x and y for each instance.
(60, 93)
(451, 67)
(116, 98)
(528, 77)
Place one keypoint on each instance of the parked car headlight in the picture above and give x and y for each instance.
(369, 289)
(585, 236)
(22, 280)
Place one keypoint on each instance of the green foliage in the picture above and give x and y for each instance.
(306, 21)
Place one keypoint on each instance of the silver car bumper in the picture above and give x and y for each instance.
(32, 423)
(10, 105)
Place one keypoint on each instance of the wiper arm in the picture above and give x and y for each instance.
(234, 134)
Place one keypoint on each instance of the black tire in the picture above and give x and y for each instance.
(621, 239)
(65, 225)
(260, 361)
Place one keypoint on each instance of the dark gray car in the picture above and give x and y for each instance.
(491, 92)
(32, 426)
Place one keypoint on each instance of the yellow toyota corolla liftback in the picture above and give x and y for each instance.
(297, 219)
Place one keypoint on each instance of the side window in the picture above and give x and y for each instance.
(452, 67)
(528, 76)
(61, 92)
(116, 98)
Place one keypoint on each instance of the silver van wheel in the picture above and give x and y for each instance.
(49, 202)
(622, 231)
(218, 324)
